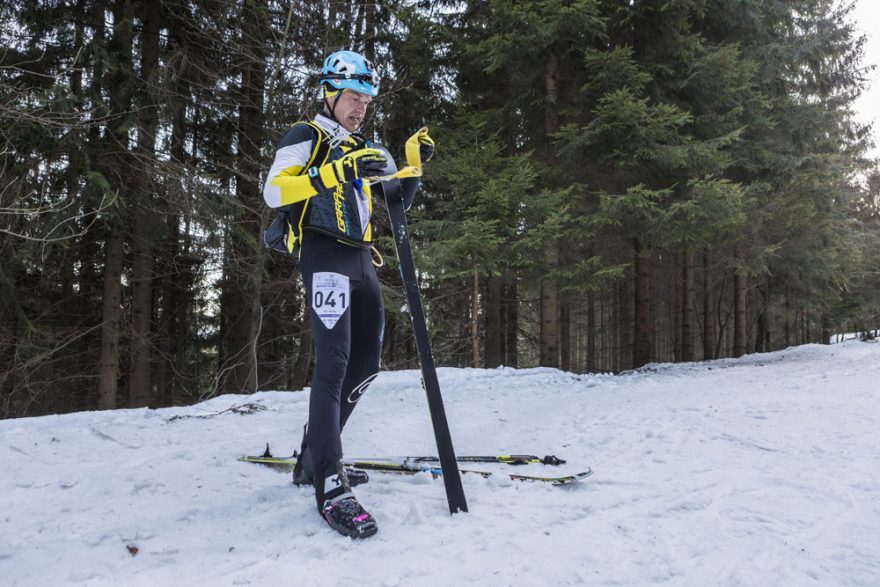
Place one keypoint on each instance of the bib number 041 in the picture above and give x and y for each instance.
(331, 296)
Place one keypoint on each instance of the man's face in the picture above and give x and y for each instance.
(351, 107)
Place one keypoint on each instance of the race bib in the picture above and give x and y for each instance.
(330, 297)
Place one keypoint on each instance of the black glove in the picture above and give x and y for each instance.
(355, 164)
(426, 148)
(371, 166)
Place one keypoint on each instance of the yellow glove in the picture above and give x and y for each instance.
(419, 148)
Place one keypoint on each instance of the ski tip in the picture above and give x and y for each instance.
(575, 478)
(560, 480)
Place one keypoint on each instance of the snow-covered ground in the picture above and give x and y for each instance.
(759, 471)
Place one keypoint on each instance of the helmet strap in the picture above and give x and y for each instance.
(331, 108)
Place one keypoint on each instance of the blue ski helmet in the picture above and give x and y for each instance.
(347, 70)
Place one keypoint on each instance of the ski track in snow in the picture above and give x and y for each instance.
(757, 471)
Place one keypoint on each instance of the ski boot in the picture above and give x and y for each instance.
(301, 475)
(342, 511)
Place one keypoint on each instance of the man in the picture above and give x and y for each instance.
(318, 175)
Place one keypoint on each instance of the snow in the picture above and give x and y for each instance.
(759, 471)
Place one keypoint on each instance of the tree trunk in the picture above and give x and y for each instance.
(89, 276)
(687, 311)
(243, 261)
(119, 167)
(787, 329)
(177, 258)
(511, 319)
(709, 330)
(493, 306)
(370, 30)
(549, 353)
(549, 301)
(826, 329)
(73, 362)
(625, 325)
(675, 302)
(760, 331)
(739, 315)
(302, 364)
(642, 307)
(389, 346)
(591, 363)
(567, 357)
(108, 373)
(141, 316)
(762, 326)
(168, 328)
(808, 327)
(565, 335)
(9, 341)
(475, 320)
(143, 223)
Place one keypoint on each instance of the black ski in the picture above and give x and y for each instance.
(451, 478)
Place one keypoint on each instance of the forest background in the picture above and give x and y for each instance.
(616, 183)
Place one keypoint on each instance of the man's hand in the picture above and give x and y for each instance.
(355, 164)
(360, 163)
(370, 165)
(426, 148)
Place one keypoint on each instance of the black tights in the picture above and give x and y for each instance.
(347, 325)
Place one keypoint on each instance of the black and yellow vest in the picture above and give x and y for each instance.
(342, 213)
